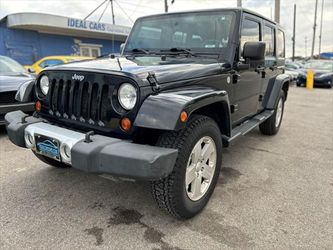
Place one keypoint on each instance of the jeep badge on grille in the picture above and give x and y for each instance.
(78, 77)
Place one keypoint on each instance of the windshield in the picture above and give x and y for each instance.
(321, 65)
(9, 66)
(205, 31)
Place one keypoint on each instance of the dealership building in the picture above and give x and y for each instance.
(27, 37)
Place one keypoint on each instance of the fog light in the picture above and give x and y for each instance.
(65, 152)
(29, 140)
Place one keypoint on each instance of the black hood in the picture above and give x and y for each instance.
(165, 71)
(12, 82)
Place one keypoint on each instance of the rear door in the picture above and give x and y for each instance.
(247, 90)
(271, 65)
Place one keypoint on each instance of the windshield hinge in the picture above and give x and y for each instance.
(153, 81)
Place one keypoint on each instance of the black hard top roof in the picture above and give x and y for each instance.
(242, 10)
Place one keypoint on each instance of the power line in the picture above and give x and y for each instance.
(121, 8)
(139, 5)
(95, 9)
(103, 12)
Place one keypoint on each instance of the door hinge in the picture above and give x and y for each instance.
(261, 97)
(153, 81)
(233, 108)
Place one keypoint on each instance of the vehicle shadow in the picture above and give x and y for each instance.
(3, 131)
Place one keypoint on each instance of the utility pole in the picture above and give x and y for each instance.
(113, 21)
(306, 48)
(321, 25)
(239, 3)
(277, 11)
(314, 30)
(294, 35)
(166, 5)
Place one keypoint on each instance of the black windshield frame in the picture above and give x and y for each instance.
(213, 50)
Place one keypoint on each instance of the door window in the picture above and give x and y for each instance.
(250, 32)
(280, 44)
(268, 38)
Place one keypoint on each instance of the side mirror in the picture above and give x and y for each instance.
(254, 51)
(122, 46)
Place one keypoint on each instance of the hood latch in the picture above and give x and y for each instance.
(153, 81)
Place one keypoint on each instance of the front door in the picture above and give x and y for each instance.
(246, 90)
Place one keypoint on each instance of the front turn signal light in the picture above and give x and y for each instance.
(183, 116)
(125, 124)
(38, 106)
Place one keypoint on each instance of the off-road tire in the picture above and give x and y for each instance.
(51, 162)
(269, 127)
(170, 192)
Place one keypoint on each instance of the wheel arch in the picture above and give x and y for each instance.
(275, 85)
(162, 111)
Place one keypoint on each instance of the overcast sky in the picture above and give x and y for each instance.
(126, 11)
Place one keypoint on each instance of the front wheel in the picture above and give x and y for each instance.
(186, 191)
(272, 125)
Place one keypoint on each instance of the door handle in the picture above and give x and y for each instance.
(235, 78)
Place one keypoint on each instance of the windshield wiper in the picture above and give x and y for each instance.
(137, 50)
(181, 51)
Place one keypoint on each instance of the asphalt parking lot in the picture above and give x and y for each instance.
(274, 192)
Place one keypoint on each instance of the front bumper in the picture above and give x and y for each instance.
(102, 155)
(6, 108)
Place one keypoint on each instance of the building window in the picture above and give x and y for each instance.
(90, 50)
(269, 40)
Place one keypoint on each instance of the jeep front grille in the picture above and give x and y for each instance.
(80, 101)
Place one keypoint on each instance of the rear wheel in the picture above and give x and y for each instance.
(51, 162)
(272, 125)
(186, 191)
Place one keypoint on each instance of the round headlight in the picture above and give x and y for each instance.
(44, 84)
(127, 96)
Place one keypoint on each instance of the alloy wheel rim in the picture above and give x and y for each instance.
(200, 168)
(279, 113)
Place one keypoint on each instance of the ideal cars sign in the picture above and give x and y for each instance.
(95, 26)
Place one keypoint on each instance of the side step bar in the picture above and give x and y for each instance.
(248, 125)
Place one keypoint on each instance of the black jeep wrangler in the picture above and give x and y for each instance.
(186, 85)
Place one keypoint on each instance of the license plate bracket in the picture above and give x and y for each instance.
(48, 146)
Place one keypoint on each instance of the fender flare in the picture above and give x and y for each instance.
(26, 91)
(275, 85)
(162, 111)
